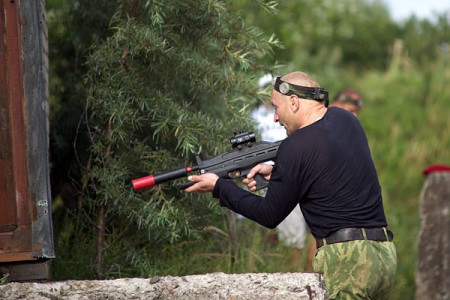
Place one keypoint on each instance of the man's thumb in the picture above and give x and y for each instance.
(193, 178)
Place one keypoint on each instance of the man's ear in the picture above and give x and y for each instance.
(294, 103)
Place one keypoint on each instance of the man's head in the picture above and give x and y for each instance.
(297, 98)
(348, 99)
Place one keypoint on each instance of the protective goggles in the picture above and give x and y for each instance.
(358, 102)
(310, 93)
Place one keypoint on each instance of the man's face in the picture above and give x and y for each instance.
(282, 113)
(347, 106)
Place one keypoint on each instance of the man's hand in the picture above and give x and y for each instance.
(262, 169)
(202, 183)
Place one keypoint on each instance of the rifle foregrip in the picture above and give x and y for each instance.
(152, 180)
(185, 185)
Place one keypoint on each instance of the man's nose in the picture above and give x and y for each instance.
(275, 117)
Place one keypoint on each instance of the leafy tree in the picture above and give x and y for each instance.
(73, 26)
(323, 36)
(426, 40)
(174, 79)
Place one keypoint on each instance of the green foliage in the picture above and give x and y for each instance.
(406, 120)
(325, 36)
(167, 77)
(75, 255)
(72, 27)
(4, 278)
(425, 39)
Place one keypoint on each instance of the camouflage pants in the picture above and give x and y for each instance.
(360, 269)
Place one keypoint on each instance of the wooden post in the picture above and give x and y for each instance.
(433, 268)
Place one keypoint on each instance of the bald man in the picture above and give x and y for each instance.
(324, 166)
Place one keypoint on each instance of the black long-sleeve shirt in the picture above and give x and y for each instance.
(325, 167)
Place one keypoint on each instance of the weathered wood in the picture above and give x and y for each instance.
(26, 232)
(433, 268)
(27, 271)
(216, 286)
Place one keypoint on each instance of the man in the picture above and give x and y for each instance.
(325, 166)
(348, 99)
(293, 230)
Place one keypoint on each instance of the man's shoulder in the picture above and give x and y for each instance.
(334, 110)
(296, 140)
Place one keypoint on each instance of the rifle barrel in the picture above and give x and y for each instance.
(158, 178)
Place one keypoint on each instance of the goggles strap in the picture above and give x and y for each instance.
(309, 93)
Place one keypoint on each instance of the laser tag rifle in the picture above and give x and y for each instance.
(245, 154)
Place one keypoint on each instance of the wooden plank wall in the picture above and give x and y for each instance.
(26, 232)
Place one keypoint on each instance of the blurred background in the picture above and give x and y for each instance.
(138, 87)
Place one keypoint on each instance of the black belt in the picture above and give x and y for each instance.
(353, 234)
